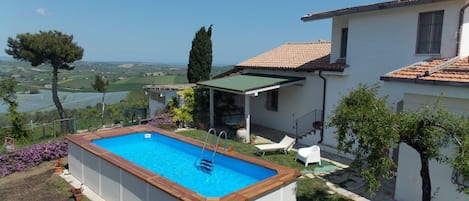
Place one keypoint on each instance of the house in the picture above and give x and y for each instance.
(367, 43)
(419, 49)
(160, 95)
(445, 80)
(379, 38)
(282, 88)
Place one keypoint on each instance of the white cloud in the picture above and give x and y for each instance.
(41, 11)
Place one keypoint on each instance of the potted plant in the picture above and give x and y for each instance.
(77, 193)
(184, 114)
(58, 169)
(242, 133)
(317, 125)
(253, 138)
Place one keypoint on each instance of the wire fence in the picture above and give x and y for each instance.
(42, 131)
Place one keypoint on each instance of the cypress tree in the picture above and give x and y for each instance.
(200, 56)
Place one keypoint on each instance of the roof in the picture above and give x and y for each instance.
(365, 8)
(442, 71)
(250, 84)
(169, 86)
(308, 56)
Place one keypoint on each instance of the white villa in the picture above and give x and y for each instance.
(417, 48)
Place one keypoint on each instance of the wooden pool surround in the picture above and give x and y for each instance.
(283, 177)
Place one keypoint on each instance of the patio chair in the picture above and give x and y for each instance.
(9, 144)
(309, 155)
(284, 145)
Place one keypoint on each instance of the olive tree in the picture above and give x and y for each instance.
(367, 128)
(47, 47)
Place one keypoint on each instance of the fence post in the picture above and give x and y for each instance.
(55, 134)
(43, 131)
(32, 126)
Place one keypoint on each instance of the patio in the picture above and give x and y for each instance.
(340, 181)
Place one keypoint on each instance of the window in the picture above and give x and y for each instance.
(429, 32)
(272, 100)
(158, 96)
(343, 43)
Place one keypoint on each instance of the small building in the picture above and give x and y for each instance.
(159, 96)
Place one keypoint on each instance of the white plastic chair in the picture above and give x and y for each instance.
(309, 155)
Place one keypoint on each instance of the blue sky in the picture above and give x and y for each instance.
(162, 30)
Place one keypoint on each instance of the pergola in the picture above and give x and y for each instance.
(247, 85)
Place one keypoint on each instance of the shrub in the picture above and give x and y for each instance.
(23, 159)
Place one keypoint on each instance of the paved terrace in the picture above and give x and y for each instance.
(340, 181)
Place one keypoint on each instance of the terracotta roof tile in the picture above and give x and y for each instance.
(297, 57)
(457, 72)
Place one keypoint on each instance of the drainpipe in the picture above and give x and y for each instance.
(461, 19)
(323, 105)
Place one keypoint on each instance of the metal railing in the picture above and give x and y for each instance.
(304, 124)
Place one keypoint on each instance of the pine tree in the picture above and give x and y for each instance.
(47, 47)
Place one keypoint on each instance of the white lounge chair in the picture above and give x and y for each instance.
(284, 145)
(309, 155)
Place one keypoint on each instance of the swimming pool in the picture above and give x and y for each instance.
(96, 159)
(178, 161)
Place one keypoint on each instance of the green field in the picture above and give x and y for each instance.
(121, 76)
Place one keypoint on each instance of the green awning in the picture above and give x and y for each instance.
(248, 84)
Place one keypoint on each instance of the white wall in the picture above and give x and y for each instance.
(294, 102)
(155, 106)
(380, 42)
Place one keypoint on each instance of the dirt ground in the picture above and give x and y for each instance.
(38, 183)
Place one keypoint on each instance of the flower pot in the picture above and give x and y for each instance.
(253, 140)
(317, 125)
(203, 125)
(77, 196)
(76, 193)
(58, 170)
(242, 134)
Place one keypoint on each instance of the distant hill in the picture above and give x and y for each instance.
(43, 101)
(122, 76)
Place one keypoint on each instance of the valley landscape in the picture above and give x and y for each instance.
(75, 90)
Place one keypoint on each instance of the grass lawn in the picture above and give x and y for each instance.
(309, 189)
(39, 183)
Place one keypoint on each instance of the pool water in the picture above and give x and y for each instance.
(178, 161)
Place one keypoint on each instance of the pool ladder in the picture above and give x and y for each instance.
(206, 164)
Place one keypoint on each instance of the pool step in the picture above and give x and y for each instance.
(206, 165)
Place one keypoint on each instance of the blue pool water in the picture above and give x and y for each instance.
(177, 161)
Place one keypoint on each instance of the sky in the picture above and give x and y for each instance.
(163, 30)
